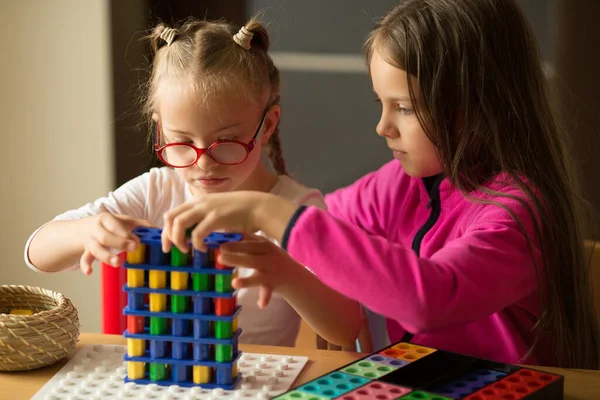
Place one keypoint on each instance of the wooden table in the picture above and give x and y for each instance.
(579, 384)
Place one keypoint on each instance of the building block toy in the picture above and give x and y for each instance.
(97, 372)
(411, 372)
(181, 315)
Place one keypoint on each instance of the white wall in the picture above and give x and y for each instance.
(55, 130)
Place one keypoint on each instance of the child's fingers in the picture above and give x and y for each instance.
(110, 240)
(249, 281)
(180, 225)
(264, 296)
(102, 254)
(245, 260)
(167, 231)
(85, 262)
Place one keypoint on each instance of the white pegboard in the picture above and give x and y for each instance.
(97, 372)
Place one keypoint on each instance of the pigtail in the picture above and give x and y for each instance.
(274, 151)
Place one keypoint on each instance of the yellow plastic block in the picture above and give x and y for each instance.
(179, 280)
(135, 277)
(201, 374)
(135, 370)
(18, 311)
(412, 352)
(234, 371)
(234, 325)
(137, 256)
(157, 279)
(158, 302)
(136, 347)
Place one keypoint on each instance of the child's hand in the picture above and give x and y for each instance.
(108, 232)
(225, 211)
(273, 267)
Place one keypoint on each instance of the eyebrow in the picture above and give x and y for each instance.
(396, 98)
(191, 134)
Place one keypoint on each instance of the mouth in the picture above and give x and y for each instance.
(209, 181)
(398, 153)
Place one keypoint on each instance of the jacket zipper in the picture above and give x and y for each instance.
(434, 204)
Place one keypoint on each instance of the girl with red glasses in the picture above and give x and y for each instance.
(213, 104)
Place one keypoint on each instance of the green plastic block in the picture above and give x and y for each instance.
(223, 329)
(369, 369)
(418, 395)
(296, 395)
(223, 283)
(179, 303)
(158, 325)
(178, 258)
(201, 282)
(223, 352)
(158, 372)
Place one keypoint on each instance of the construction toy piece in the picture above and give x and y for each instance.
(97, 372)
(411, 372)
(181, 315)
(18, 311)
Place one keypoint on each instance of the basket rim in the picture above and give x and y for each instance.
(60, 300)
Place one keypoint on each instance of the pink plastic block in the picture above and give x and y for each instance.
(376, 390)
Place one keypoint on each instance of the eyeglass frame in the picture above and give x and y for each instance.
(199, 152)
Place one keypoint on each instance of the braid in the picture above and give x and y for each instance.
(275, 153)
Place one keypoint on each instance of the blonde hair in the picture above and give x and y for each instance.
(213, 58)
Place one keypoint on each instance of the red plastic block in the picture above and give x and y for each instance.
(225, 306)
(376, 390)
(114, 299)
(135, 324)
(515, 386)
(217, 264)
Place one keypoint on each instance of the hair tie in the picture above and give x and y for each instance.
(243, 38)
(168, 35)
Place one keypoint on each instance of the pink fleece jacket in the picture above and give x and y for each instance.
(459, 275)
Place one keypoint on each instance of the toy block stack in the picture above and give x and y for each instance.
(181, 315)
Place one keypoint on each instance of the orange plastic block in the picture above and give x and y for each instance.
(135, 324)
(407, 351)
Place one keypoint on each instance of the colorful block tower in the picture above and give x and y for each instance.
(181, 315)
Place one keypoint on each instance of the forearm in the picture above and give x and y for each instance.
(58, 245)
(330, 314)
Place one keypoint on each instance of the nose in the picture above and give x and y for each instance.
(205, 162)
(386, 128)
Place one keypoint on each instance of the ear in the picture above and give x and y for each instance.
(271, 122)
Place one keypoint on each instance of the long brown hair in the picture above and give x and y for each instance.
(206, 52)
(485, 106)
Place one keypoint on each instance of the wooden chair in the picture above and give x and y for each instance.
(593, 255)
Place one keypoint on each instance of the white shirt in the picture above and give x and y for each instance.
(153, 193)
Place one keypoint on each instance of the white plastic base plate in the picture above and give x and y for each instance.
(98, 372)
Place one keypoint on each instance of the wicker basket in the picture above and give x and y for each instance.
(43, 338)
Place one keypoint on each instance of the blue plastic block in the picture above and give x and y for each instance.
(333, 385)
(203, 305)
(151, 236)
(224, 375)
(394, 362)
(181, 373)
(187, 384)
(182, 268)
(184, 361)
(200, 259)
(201, 328)
(186, 339)
(469, 383)
(169, 291)
(180, 350)
(189, 316)
(157, 349)
(157, 257)
(180, 327)
(201, 352)
(135, 301)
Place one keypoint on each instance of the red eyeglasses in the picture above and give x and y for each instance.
(226, 152)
